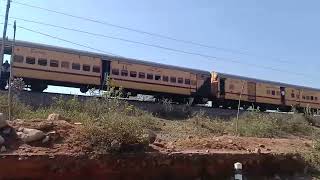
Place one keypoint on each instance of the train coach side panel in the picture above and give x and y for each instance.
(309, 98)
(43, 64)
(268, 93)
(147, 78)
(233, 89)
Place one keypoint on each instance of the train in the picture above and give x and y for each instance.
(41, 65)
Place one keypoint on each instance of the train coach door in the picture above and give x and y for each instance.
(283, 95)
(105, 72)
(193, 84)
(251, 92)
(222, 87)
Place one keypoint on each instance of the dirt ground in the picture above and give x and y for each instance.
(66, 140)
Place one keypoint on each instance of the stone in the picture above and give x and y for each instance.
(46, 139)
(268, 149)
(1, 140)
(257, 150)
(30, 135)
(307, 144)
(20, 129)
(3, 149)
(19, 134)
(159, 144)
(77, 123)
(262, 145)
(230, 141)
(277, 177)
(53, 135)
(7, 131)
(115, 145)
(3, 122)
(150, 136)
(207, 151)
(190, 137)
(45, 126)
(54, 117)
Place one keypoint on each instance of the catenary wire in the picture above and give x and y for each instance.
(181, 51)
(153, 34)
(68, 41)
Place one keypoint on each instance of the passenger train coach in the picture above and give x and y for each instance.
(42, 65)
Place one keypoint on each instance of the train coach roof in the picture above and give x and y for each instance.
(101, 55)
(224, 75)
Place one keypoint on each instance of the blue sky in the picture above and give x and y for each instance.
(279, 34)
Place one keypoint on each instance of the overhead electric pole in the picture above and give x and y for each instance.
(4, 35)
(11, 73)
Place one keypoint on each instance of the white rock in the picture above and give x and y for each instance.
(77, 123)
(19, 134)
(3, 149)
(53, 117)
(3, 122)
(115, 145)
(1, 140)
(151, 136)
(30, 135)
(20, 129)
(46, 139)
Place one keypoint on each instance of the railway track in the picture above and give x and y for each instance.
(45, 99)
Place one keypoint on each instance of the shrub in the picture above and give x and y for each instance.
(272, 125)
(257, 125)
(115, 126)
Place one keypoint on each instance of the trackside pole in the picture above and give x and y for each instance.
(11, 75)
(239, 107)
(237, 171)
(4, 34)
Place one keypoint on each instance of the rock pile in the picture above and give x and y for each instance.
(28, 135)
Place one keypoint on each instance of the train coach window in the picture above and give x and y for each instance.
(311, 98)
(142, 75)
(76, 66)
(124, 72)
(96, 69)
(316, 98)
(165, 78)
(157, 77)
(18, 59)
(149, 76)
(115, 71)
(273, 93)
(42, 62)
(268, 92)
(307, 97)
(133, 74)
(292, 95)
(54, 63)
(187, 81)
(303, 97)
(173, 79)
(86, 67)
(30, 60)
(180, 80)
(65, 64)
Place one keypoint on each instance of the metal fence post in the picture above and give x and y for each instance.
(238, 171)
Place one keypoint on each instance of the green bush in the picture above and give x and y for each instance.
(257, 125)
(272, 125)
